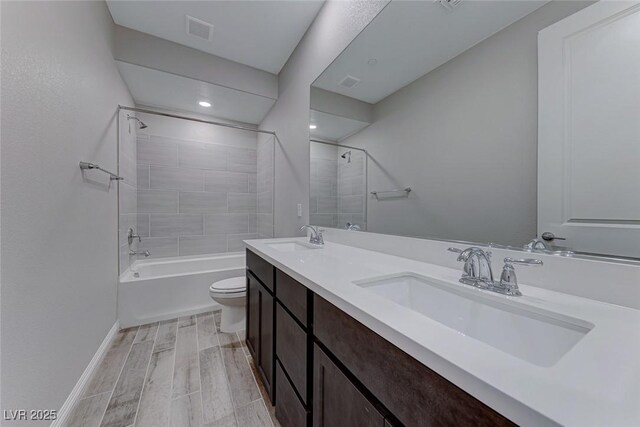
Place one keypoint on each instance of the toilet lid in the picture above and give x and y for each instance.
(232, 285)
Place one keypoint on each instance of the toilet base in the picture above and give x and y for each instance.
(232, 319)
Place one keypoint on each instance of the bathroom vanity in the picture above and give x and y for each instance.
(336, 344)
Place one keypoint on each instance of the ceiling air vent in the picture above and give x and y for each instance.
(200, 29)
(349, 82)
(449, 4)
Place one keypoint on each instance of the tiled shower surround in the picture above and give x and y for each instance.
(201, 197)
(337, 187)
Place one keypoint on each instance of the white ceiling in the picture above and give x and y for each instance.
(410, 38)
(261, 34)
(159, 89)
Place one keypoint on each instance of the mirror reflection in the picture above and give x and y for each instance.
(521, 130)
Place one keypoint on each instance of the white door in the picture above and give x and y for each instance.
(589, 129)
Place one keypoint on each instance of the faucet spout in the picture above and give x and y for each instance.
(316, 235)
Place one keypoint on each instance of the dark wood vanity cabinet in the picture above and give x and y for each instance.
(260, 320)
(324, 368)
(338, 402)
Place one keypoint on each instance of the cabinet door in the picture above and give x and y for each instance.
(337, 402)
(265, 347)
(253, 315)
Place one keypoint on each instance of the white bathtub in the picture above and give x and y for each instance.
(172, 287)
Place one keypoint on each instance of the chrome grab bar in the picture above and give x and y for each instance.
(112, 176)
(406, 191)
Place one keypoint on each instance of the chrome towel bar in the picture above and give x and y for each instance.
(112, 176)
(404, 192)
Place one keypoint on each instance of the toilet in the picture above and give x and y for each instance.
(231, 295)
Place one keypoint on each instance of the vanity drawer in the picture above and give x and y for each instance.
(293, 295)
(291, 350)
(261, 269)
(289, 410)
(412, 392)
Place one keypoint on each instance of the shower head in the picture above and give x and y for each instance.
(347, 155)
(141, 124)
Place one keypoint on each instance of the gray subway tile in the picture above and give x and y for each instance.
(264, 202)
(265, 225)
(143, 177)
(185, 179)
(165, 225)
(323, 220)
(157, 153)
(202, 203)
(327, 205)
(197, 245)
(142, 225)
(224, 182)
(235, 241)
(157, 201)
(246, 203)
(202, 156)
(242, 160)
(253, 182)
(351, 204)
(226, 223)
(160, 247)
(253, 223)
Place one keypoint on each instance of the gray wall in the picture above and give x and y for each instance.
(196, 187)
(60, 93)
(337, 23)
(464, 137)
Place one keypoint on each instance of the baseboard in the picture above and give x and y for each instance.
(65, 411)
(127, 322)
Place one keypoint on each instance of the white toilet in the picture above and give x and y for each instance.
(231, 295)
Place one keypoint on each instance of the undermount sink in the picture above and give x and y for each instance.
(291, 246)
(537, 336)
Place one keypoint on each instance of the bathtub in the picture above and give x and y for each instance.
(171, 287)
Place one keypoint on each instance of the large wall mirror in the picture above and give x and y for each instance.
(507, 122)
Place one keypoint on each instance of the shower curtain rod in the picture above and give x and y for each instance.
(175, 116)
(337, 145)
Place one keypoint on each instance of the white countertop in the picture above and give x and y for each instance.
(596, 383)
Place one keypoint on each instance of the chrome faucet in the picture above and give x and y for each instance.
(352, 227)
(477, 266)
(536, 244)
(316, 235)
(132, 235)
(478, 273)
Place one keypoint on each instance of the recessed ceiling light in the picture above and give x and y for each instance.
(204, 104)
(312, 126)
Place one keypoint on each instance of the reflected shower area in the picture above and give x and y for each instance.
(338, 186)
(191, 186)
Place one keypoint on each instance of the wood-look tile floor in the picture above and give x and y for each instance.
(180, 373)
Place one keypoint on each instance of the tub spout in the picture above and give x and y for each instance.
(145, 253)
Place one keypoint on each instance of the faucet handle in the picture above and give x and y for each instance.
(523, 261)
(508, 280)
